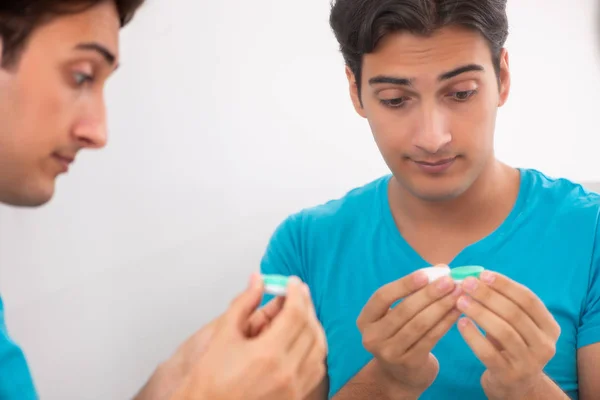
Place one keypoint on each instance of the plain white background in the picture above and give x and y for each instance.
(224, 118)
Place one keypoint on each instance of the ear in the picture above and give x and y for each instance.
(504, 78)
(354, 95)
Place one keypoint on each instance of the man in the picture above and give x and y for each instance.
(55, 57)
(429, 77)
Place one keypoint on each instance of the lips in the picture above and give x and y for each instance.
(435, 163)
(64, 160)
(435, 167)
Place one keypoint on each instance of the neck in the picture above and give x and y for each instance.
(491, 195)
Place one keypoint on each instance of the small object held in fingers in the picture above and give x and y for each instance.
(276, 285)
(458, 274)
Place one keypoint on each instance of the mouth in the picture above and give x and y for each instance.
(64, 160)
(435, 166)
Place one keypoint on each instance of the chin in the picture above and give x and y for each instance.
(436, 191)
(32, 196)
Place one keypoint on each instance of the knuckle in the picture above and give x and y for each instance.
(557, 330)
(548, 351)
(514, 315)
(269, 361)
(284, 380)
(529, 301)
(387, 354)
(380, 296)
(370, 339)
(297, 313)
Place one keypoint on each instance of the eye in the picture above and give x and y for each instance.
(82, 78)
(394, 103)
(463, 95)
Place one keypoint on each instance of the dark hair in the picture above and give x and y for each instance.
(359, 25)
(19, 18)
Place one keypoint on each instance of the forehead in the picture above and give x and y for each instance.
(415, 55)
(99, 24)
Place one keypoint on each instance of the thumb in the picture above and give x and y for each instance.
(246, 303)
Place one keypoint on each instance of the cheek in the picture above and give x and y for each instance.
(390, 128)
(45, 106)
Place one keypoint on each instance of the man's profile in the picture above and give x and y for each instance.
(55, 58)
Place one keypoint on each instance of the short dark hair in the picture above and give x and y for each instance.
(19, 18)
(359, 25)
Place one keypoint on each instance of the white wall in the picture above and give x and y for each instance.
(225, 117)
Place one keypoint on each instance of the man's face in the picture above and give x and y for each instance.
(52, 104)
(431, 103)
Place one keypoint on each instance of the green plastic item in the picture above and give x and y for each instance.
(275, 280)
(461, 273)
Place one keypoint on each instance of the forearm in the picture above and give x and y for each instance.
(160, 386)
(546, 389)
(373, 383)
(543, 389)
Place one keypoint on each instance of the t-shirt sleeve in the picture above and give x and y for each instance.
(16, 382)
(589, 329)
(283, 253)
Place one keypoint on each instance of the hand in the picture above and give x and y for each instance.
(171, 374)
(251, 357)
(521, 334)
(401, 339)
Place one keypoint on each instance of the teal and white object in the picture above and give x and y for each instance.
(275, 285)
(458, 274)
(435, 273)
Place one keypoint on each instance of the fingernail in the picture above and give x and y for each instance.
(306, 289)
(463, 322)
(488, 277)
(470, 284)
(444, 283)
(294, 280)
(464, 302)
(253, 280)
(457, 291)
(421, 278)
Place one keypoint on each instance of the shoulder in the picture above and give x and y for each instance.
(359, 203)
(561, 196)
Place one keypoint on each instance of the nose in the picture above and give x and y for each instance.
(90, 130)
(433, 132)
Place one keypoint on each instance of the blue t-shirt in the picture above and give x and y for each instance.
(348, 248)
(15, 378)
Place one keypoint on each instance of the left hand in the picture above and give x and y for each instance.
(171, 373)
(521, 334)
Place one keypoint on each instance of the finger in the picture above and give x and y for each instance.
(426, 343)
(427, 319)
(292, 318)
(313, 369)
(395, 320)
(264, 315)
(245, 304)
(482, 348)
(301, 348)
(505, 334)
(509, 311)
(525, 298)
(381, 301)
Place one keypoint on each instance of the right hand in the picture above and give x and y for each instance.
(282, 360)
(401, 339)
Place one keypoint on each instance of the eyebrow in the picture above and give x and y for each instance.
(460, 70)
(103, 51)
(400, 81)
